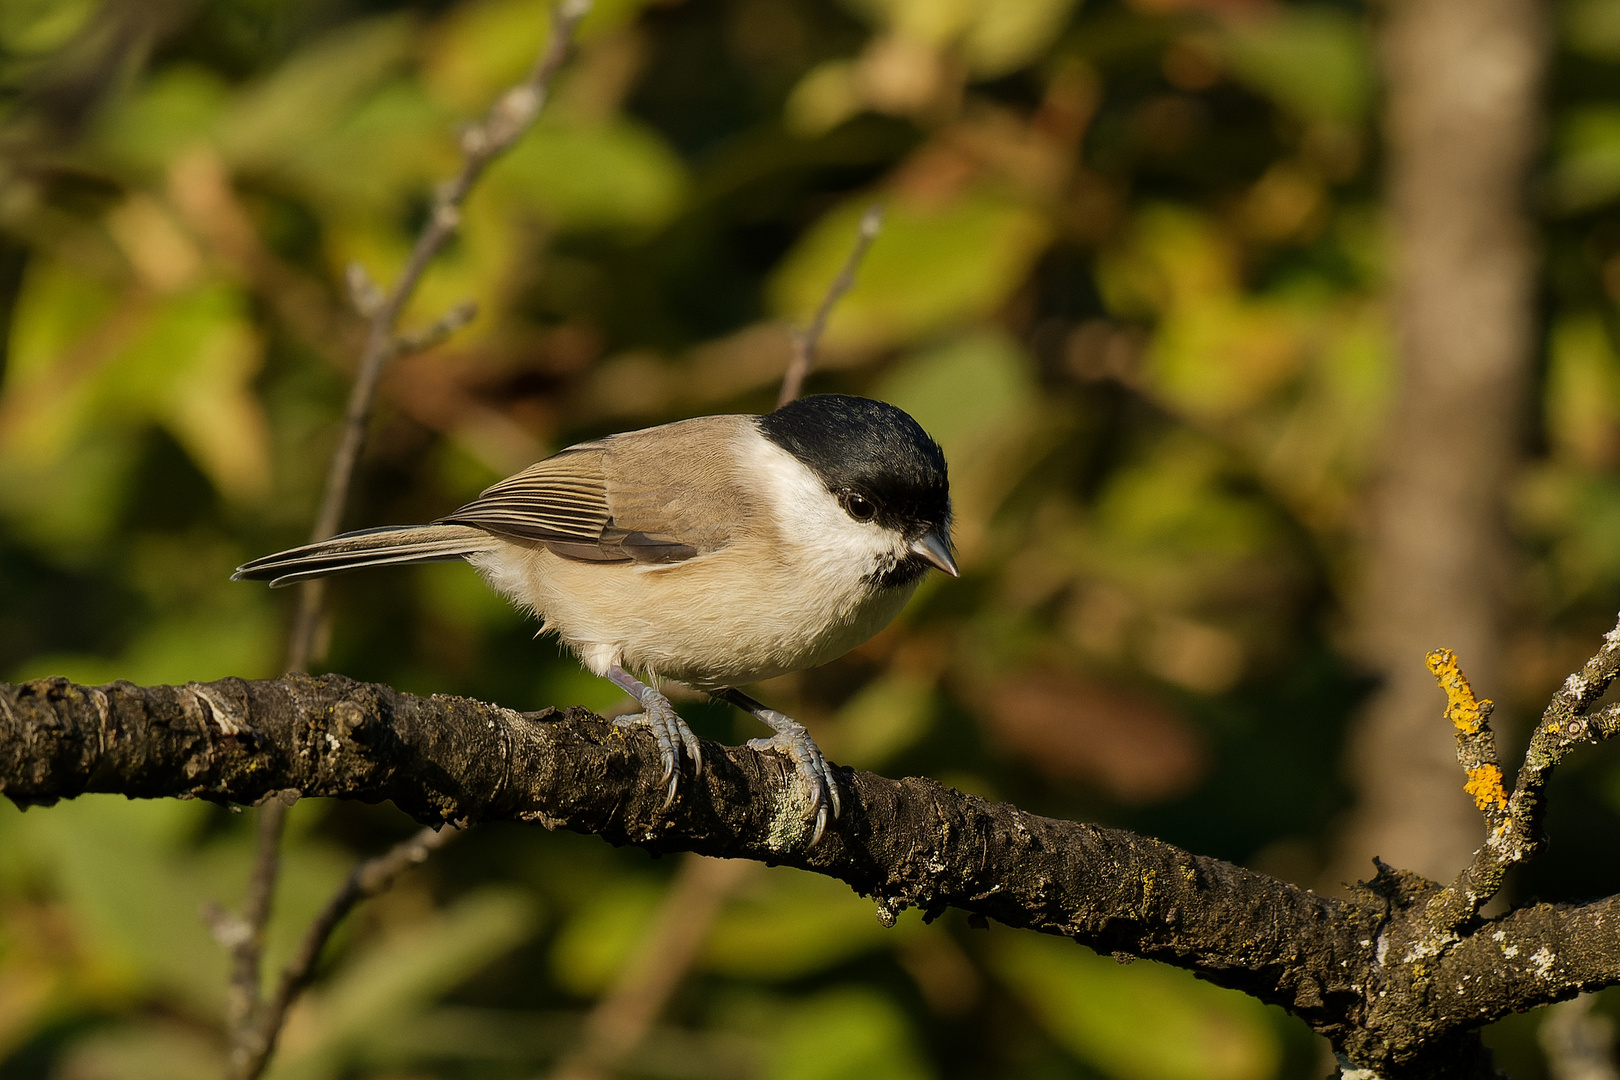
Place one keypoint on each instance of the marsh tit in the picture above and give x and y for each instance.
(716, 552)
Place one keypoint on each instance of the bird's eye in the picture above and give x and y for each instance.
(859, 507)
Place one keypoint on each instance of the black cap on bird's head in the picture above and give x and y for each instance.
(878, 461)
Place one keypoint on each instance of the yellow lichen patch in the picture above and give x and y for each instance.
(1463, 709)
(1485, 785)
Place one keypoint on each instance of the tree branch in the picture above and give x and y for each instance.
(369, 878)
(805, 341)
(481, 144)
(621, 1019)
(1357, 971)
(253, 1024)
(1513, 824)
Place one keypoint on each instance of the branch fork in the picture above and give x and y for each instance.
(1513, 822)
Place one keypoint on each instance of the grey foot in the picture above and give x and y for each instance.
(671, 732)
(815, 778)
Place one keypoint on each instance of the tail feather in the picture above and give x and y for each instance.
(391, 545)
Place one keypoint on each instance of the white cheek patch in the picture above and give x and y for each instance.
(809, 517)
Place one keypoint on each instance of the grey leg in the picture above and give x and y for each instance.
(666, 724)
(793, 741)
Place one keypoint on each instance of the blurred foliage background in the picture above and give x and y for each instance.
(1133, 278)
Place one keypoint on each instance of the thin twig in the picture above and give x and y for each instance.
(367, 879)
(437, 333)
(255, 1024)
(481, 144)
(619, 1022)
(805, 341)
(247, 948)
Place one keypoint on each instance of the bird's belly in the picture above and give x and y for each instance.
(705, 622)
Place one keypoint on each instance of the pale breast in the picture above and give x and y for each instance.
(790, 589)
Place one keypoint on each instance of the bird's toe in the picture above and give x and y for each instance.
(813, 776)
(672, 736)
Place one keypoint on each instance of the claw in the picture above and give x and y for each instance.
(814, 776)
(694, 749)
(671, 733)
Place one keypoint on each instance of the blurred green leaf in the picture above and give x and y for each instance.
(789, 923)
(241, 639)
(312, 91)
(135, 878)
(1583, 392)
(120, 867)
(1174, 503)
(965, 391)
(616, 175)
(57, 302)
(1142, 1021)
(1312, 59)
(186, 362)
(1576, 513)
(885, 717)
(1592, 27)
(930, 268)
(977, 396)
(595, 942)
(39, 26)
(390, 980)
(1586, 169)
(481, 48)
(192, 369)
(154, 1050)
(844, 1034)
(1217, 352)
(174, 109)
(1007, 34)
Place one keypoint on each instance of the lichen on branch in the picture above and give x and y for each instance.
(1365, 972)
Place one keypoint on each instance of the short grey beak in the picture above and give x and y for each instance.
(933, 549)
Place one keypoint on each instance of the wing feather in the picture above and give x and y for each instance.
(624, 498)
(561, 500)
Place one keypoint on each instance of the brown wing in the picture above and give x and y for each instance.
(653, 496)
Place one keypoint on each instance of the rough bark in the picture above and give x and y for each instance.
(1369, 972)
(1462, 81)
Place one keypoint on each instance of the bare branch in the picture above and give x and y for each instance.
(253, 1024)
(805, 342)
(481, 144)
(369, 878)
(620, 1021)
(437, 333)
(247, 944)
(1363, 972)
(1513, 823)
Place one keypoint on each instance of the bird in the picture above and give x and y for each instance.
(717, 552)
